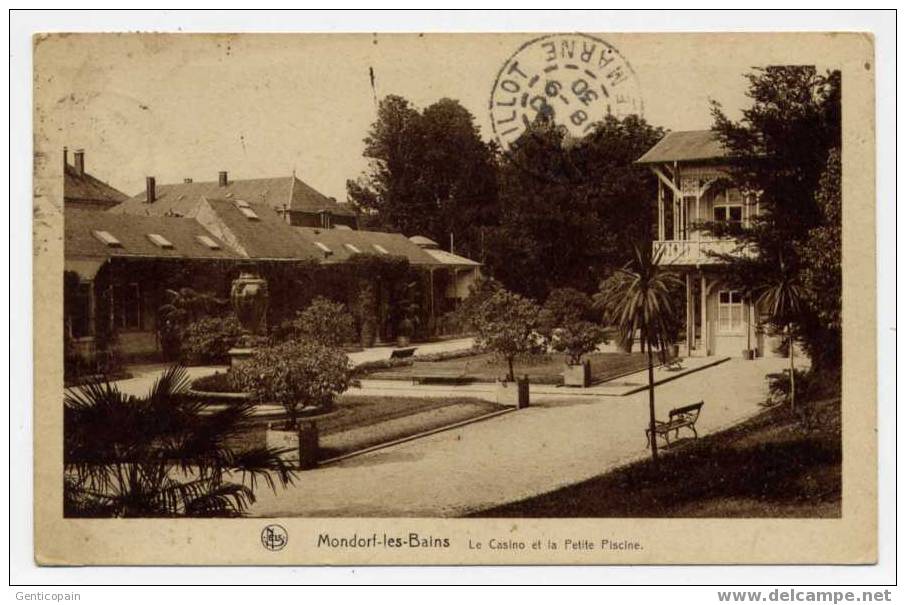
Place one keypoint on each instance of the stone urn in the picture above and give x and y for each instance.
(249, 297)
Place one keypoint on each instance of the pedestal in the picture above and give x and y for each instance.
(240, 355)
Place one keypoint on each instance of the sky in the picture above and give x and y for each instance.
(177, 107)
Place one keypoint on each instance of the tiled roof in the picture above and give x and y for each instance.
(345, 243)
(279, 192)
(448, 259)
(132, 233)
(267, 237)
(84, 187)
(685, 147)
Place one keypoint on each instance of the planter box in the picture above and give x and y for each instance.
(514, 394)
(301, 446)
(577, 375)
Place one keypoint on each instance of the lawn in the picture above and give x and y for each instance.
(769, 466)
(360, 422)
(487, 367)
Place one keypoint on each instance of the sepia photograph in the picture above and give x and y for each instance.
(574, 278)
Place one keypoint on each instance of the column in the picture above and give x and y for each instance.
(690, 316)
(704, 315)
(660, 210)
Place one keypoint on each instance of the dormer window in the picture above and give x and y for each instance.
(108, 239)
(242, 204)
(324, 248)
(249, 214)
(160, 241)
(380, 248)
(352, 248)
(204, 240)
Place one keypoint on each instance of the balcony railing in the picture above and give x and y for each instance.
(698, 252)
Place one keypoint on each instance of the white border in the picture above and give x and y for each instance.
(22, 25)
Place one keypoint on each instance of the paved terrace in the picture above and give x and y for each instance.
(560, 440)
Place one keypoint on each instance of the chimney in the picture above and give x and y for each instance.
(65, 157)
(79, 156)
(187, 180)
(150, 190)
(223, 178)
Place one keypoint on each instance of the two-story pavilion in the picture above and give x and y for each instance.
(694, 187)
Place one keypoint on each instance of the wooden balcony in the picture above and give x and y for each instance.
(697, 252)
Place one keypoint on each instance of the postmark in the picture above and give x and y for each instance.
(575, 80)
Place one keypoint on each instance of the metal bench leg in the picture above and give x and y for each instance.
(692, 426)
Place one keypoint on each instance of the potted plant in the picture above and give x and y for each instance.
(304, 377)
(565, 322)
(404, 332)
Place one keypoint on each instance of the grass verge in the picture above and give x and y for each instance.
(769, 466)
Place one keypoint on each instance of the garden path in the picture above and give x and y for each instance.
(560, 440)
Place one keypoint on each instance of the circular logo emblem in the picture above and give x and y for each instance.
(274, 537)
(574, 80)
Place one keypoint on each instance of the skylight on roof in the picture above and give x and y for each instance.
(323, 248)
(249, 214)
(160, 241)
(242, 204)
(352, 248)
(107, 238)
(380, 248)
(207, 241)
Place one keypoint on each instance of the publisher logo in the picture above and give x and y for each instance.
(274, 537)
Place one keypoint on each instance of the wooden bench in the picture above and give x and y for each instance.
(402, 353)
(685, 416)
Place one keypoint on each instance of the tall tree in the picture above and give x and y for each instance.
(571, 208)
(779, 151)
(429, 173)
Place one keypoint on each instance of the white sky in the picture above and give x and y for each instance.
(263, 105)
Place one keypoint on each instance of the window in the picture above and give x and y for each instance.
(108, 239)
(207, 241)
(380, 248)
(728, 207)
(730, 312)
(353, 248)
(126, 307)
(160, 241)
(78, 311)
(249, 214)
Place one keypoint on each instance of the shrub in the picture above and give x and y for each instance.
(565, 321)
(209, 340)
(219, 382)
(381, 364)
(507, 325)
(326, 322)
(295, 374)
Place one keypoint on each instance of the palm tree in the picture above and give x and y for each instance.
(162, 455)
(782, 298)
(637, 299)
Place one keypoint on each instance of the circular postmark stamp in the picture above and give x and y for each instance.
(574, 80)
(274, 537)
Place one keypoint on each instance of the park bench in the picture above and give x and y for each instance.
(685, 416)
(403, 353)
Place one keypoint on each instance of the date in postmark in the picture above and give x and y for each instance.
(575, 80)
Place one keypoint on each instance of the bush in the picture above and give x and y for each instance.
(381, 364)
(219, 382)
(507, 325)
(566, 322)
(297, 375)
(209, 340)
(326, 322)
